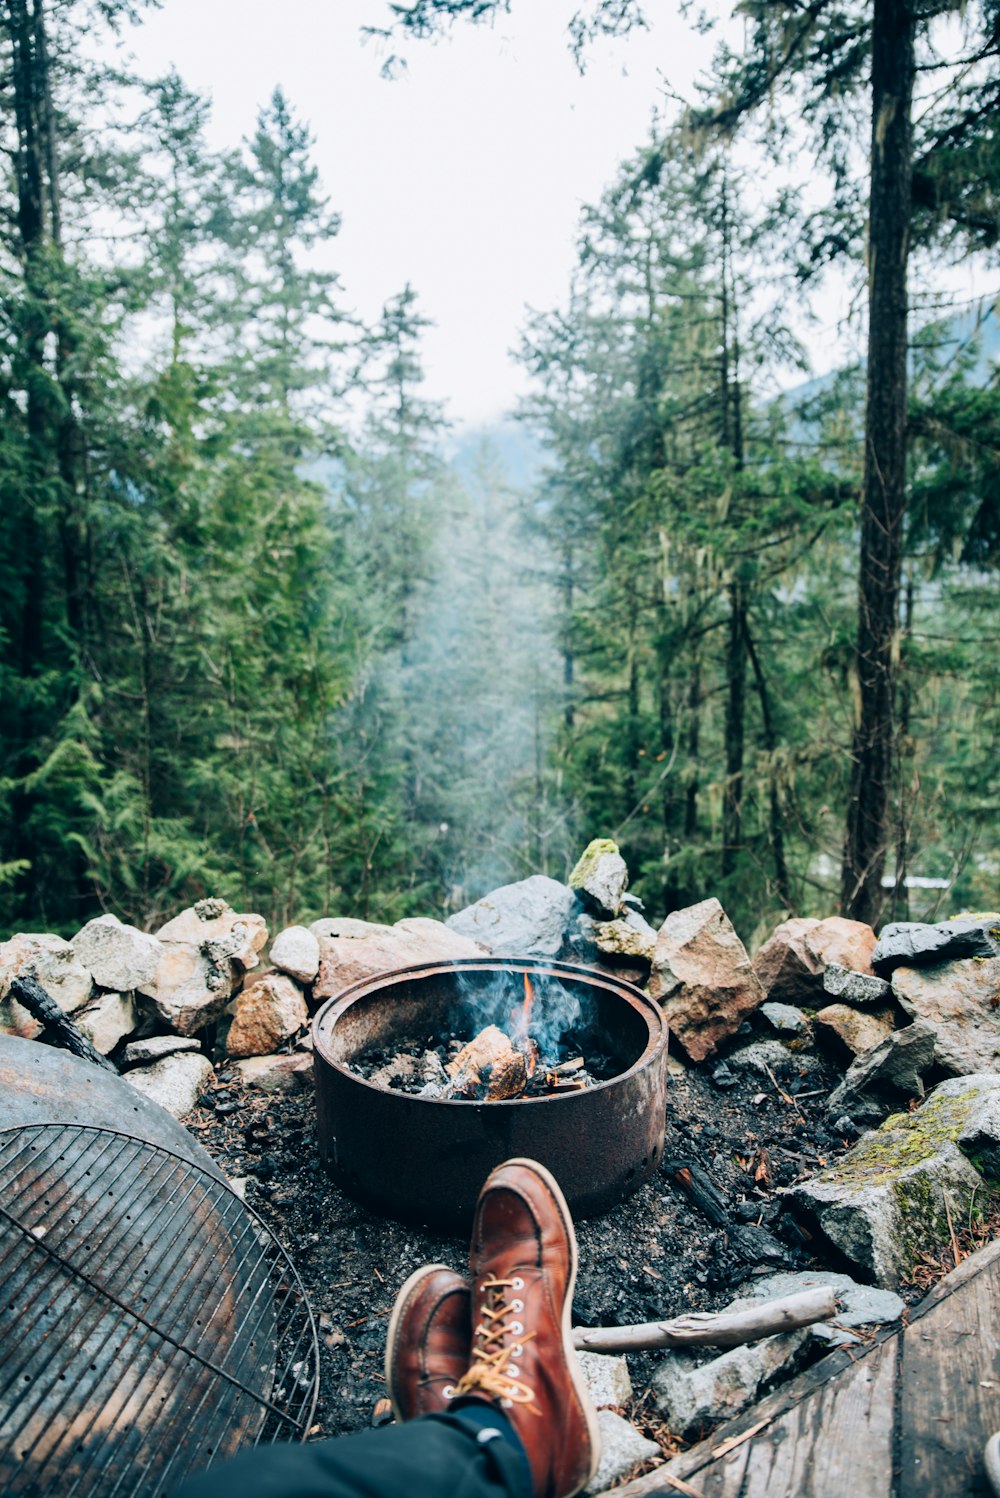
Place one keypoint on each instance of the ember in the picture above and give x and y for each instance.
(496, 1064)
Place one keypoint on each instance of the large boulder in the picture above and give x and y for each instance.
(192, 986)
(224, 934)
(351, 950)
(886, 1077)
(266, 1014)
(960, 1001)
(526, 919)
(915, 943)
(600, 878)
(51, 962)
(703, 978)
(888, 1199)
(120, 957)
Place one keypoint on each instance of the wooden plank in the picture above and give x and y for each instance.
(854, 1404)
(950, 1390)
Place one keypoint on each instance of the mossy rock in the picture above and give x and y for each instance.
(887, 1201)
(600, 877)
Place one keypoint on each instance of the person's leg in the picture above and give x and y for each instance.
(472, 1453)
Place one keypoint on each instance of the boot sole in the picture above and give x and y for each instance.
(569, 1351)
(392, 1336)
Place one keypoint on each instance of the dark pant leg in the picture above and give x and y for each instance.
(433, 1457)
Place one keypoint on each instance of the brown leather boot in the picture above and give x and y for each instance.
(523, 1260)
(427, 1349)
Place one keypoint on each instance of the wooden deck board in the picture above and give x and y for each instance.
(907, 1418)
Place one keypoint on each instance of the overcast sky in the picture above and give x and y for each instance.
(465, 176)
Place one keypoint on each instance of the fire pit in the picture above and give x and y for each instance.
(423, 1159)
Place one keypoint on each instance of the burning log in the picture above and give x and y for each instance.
(490, 1067)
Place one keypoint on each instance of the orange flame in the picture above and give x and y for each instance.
(529, 999)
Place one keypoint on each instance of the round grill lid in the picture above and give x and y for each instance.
(150, 1324)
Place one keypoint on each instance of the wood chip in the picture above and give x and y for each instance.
(734, 1441)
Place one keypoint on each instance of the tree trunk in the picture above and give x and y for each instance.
(736, 675)
(884, 494)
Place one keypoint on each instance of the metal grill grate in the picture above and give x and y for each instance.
(150, 1324)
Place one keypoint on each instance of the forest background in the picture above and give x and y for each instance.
(253, 645)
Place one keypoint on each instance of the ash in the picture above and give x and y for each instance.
(655, 1255)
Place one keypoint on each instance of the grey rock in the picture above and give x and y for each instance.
(961, 1002)
(295, 951)
(223, 934)
(607, 1379)
(107, 1020)
(526, 919)
(155, 1047)
(857, 1305)
(914, 943)
(886, 1077)
(119, 957)
(175, 1083)
(622, 1449)
(724, 1076)
(786, 1019)
(690, 1396)
(883, 1203)
(764, 1054)
(600, 877)
(855, 988)
(628, 939)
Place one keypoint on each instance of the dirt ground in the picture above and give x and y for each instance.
(657, 1254)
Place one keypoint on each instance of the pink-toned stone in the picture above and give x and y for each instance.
(847, 943)
(702, 978)
(788, 970)
(270, 1012)
(354, 949)
(227, 933)
(848, 1032)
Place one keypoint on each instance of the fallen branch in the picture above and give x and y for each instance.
(726, 1328)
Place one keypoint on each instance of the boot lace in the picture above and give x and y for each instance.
(491, 1370)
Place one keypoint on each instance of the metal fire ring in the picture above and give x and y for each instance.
(423, 1160)
(150, 1324)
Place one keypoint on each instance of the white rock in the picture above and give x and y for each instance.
(120, 957)
(622, 1448)
(607, 1378)
(296, 952)
(52, 963)
(108, 1020)
(221, 932)
(175, 1083)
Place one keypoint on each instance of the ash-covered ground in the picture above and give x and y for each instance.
(655, 1255)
